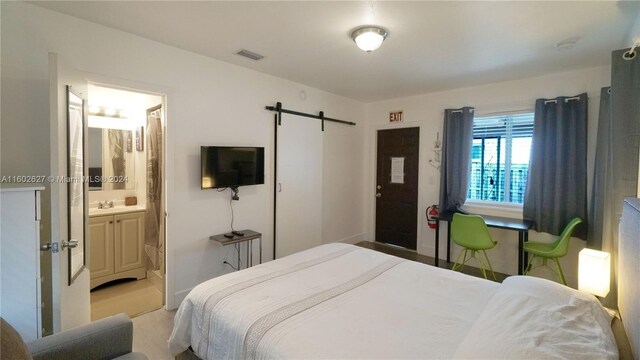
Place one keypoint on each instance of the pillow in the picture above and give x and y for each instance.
(11, 344)
(532, 318)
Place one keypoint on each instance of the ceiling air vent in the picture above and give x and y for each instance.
(249, 54)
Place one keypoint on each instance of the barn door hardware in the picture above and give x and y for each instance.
(279, 110)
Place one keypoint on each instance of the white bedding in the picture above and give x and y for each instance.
(343, 301)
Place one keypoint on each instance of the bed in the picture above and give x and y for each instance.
(344, 301)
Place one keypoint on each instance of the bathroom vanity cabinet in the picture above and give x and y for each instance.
(117, 247)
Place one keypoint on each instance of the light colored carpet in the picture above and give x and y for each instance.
(132, 298)
(151, 333)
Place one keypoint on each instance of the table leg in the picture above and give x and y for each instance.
(246, 266)
(525, 255)
(520, 252)
(448, 241)
(260, 244)
(437, 241)
(250, 252)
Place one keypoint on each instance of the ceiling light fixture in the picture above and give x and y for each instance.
(104, 111)
(566, 44)
(369, 38)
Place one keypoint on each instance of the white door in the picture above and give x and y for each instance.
(70, 302)
(299, 185)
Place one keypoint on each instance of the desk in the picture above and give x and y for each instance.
(521, 226)
(249, 236)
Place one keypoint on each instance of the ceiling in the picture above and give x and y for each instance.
(431, 46)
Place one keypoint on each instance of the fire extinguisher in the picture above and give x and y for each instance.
(432, 212)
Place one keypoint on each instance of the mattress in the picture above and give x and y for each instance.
(342, 301)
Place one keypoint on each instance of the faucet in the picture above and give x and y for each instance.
(105, 205)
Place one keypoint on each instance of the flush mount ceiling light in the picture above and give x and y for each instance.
(566, 44)
(369, 38)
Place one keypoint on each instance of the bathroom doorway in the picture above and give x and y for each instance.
(126, 239)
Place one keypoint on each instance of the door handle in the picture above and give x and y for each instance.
(53, 246)
(279, 187)
(379, 187)
(378, 195)
(69, 244)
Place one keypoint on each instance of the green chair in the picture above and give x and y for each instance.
(471, 232)
(554, 250)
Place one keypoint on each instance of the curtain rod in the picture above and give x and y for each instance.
(511, 112)
(565, 100)
(461, 110)
(278, 108)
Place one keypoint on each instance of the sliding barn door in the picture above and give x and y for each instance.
(299, 186)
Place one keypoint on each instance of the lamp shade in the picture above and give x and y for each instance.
(594, 272)
(369, 38)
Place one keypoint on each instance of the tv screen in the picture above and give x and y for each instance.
(231, 166)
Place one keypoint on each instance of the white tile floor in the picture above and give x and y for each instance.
(132, 298)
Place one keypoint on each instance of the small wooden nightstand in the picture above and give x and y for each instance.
(248, 236)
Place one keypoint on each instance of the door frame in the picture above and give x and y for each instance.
(370, 189)
(168, 168)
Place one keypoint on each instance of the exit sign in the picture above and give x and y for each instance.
(395, 116)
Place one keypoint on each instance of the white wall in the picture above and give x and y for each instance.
(208, 103)
(427, 112)
(634, 31)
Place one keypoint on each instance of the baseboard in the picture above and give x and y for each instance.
(354, 239)
(179, 296)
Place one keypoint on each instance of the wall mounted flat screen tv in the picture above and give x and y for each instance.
(231, 166)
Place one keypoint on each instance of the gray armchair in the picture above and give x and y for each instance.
(109, 338)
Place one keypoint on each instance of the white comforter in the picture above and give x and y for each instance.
(342, 301)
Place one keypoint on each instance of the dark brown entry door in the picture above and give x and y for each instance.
(397, 187)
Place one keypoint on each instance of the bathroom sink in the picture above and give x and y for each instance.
(115, 210)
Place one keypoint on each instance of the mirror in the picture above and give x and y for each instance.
(111, 159)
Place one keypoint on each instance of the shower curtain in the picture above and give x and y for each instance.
(154, 244)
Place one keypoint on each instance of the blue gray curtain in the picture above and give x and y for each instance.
(617, 155)
(625, 130)
(602, 178)
(557, 182)
(457, 141)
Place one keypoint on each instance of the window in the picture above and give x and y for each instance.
(500, 157)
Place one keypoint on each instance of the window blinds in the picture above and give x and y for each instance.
(515, 126)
